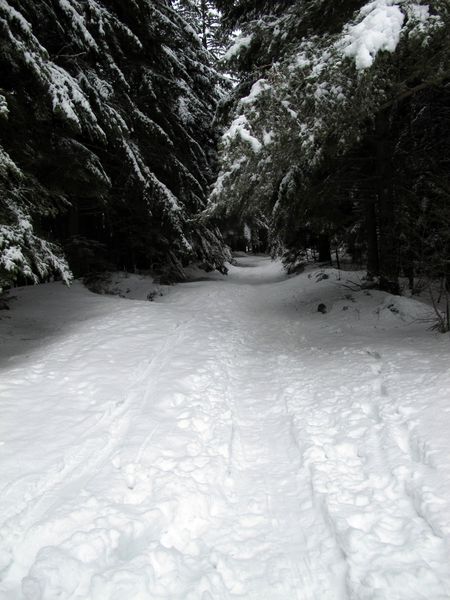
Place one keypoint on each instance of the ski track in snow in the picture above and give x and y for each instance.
(225, 442)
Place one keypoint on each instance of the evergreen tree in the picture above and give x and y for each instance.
(205, 18)
(106, 111)
(319, 84)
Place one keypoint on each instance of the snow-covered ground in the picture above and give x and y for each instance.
(224, 441)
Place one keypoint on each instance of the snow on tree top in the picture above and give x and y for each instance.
(240, 43)
(239, 129)
(379, 30)
(257, 88)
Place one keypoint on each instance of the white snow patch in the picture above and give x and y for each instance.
(258, 88)
(379, 30)
(239, 128)
(236, 48)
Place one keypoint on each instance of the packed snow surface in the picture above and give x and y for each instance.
(226, 440)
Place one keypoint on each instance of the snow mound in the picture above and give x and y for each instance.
(128, 285)
(396, 308)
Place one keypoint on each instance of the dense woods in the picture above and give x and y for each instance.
(107, 147)
(335, 136)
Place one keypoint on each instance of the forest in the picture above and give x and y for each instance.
(152, 134)
(224, 299)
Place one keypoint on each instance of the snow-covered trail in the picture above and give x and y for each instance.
(225, 442)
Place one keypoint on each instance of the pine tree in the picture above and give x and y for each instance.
(321, 88)
(107, 109)
(24, 254)
(205, 18)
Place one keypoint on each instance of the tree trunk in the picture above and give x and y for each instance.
(373, 265)
(324, 248)
(204, 16)
(338, 261)
(73, 221)
(408, 269)
(387, 239)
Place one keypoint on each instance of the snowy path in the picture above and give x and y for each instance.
(225, 442)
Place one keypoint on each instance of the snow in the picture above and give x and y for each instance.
(420, 12)
(79, 22)
(16, 16)
(133, 286)
(66, 94)
(268, 137)
(379, 29)
(224, 441)
(239, 128)
(4, 110)
(184, 110)
(291, 112)
(315, 85)
(236, 48)
(258, 88)
(21, 249)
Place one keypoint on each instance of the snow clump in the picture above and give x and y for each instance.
(379, 30)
